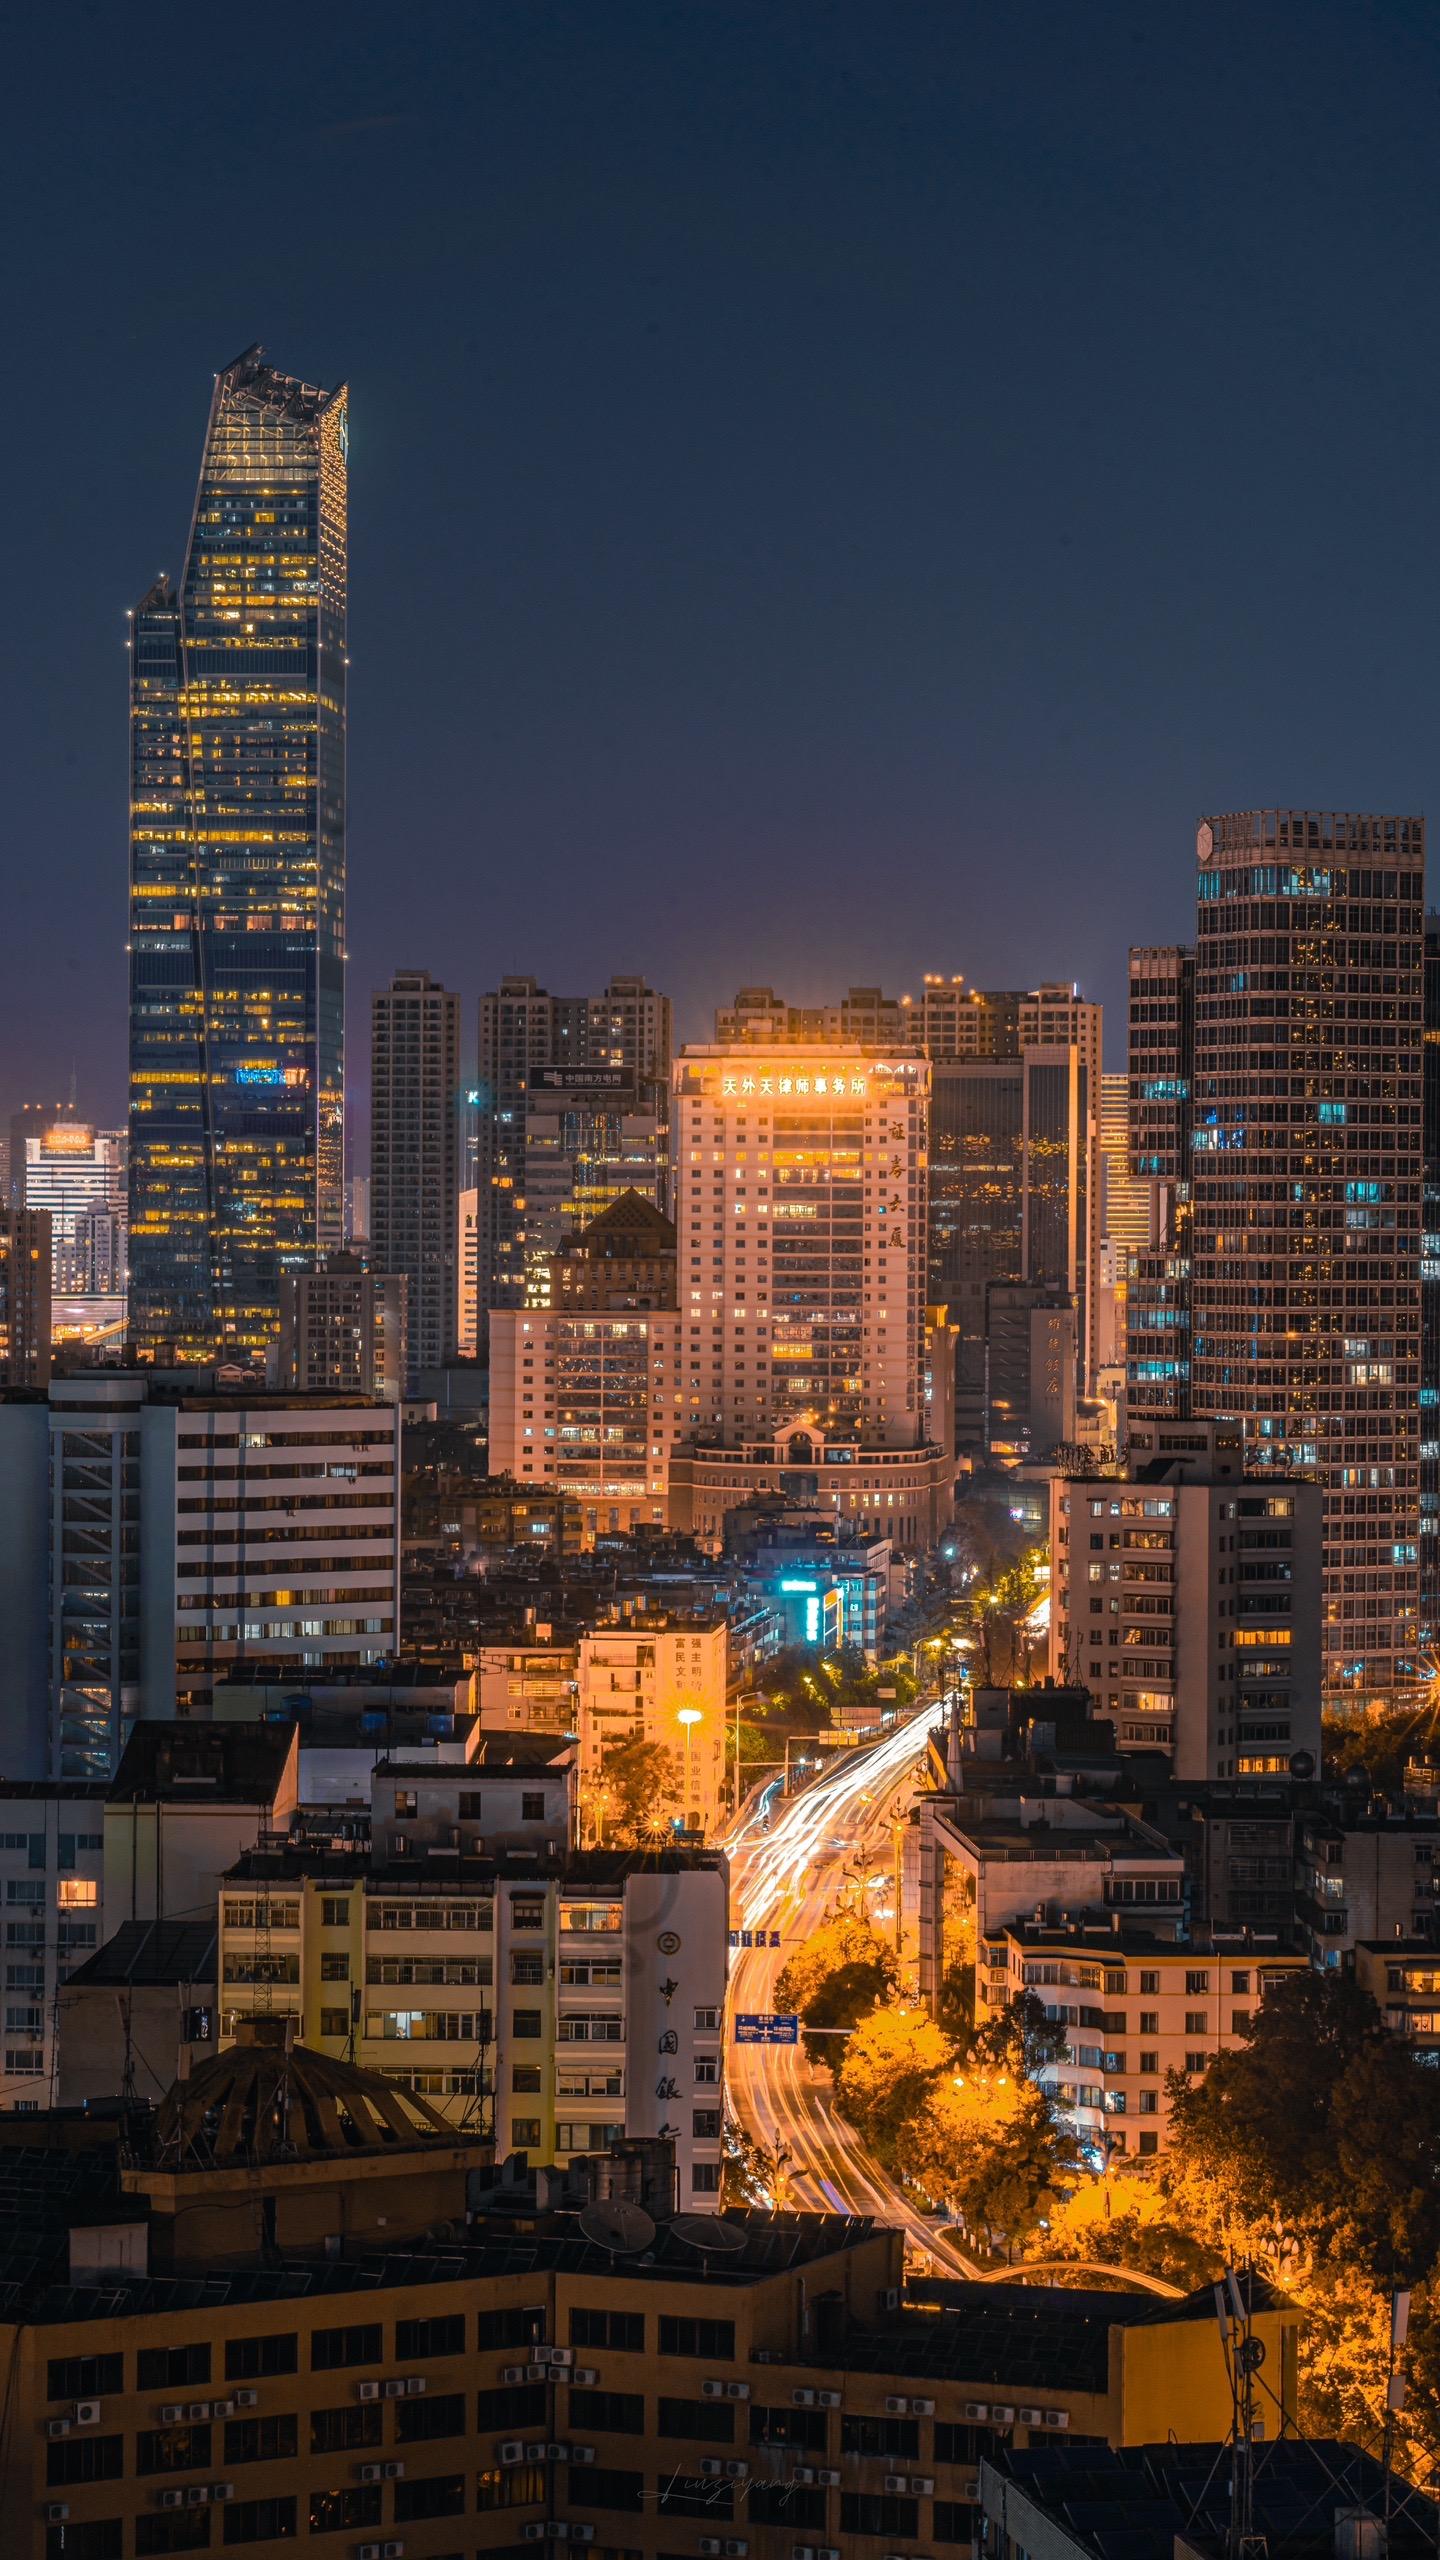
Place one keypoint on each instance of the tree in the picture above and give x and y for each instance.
(1258, 2125)
(991, 2148)
(837, 1977)
(640, 1787)
(887, 2070)
(1019, 2039)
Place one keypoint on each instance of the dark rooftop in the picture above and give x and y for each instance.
(226, 1763)
(152, 1951)
(498, 1754)
(1042, 2338)
(1134, 2504)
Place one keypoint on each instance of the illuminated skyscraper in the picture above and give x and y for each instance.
(237, 878)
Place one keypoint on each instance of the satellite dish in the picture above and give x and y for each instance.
(620, 2227)
(706, 2231)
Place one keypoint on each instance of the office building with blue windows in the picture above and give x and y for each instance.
(237, 879)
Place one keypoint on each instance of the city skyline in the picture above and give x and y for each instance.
(814, 529)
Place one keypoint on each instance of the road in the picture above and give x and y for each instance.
(785, 1878)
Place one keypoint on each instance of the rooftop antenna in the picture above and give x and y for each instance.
(1244, 2355)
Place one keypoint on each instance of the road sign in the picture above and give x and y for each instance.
(762, 2027)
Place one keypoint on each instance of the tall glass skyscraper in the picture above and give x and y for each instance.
(237, 878)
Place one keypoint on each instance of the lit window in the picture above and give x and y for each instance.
(78, 1893)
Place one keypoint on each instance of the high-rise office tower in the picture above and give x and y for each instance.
(523, 1028)
(1162, 1074)
(237, 878)
(1430, 1306)
(415, 1155)
(1308, 1165)
(593, 1135)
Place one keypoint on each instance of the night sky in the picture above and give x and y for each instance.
(836, 489)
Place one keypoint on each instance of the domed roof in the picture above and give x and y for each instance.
(265, 2099)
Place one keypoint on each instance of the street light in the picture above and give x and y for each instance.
(689, 1717)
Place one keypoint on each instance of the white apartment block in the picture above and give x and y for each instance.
(1186, 1597)
(565, 1998)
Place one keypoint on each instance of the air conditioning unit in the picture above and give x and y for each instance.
(512, 2450)
(221, 2492)
(57, 2512)
(827, 2399)
(171, 2413)
(804, 2474)
(562, 2355)
(415, 2383)
(921, 2486)
(737, 2470)
(367, 2390)
(393, 2390)
(371, 2471)
(737, 2390)
(512, 2373)
(710, 2469)
(897, 2480)
(582, 2533)
(368, 2551)
(557, 2453)
(57, 2427)
(222, 2408)
(736, 2549)
(557, 2532)
(977, 2409)
(896, 2405)
(198, 2497)
(922, 2408)
(197, 2409)
(711, 2389)
(1001, 2414)
(1030, 2417)
(1057, 2417)
(247, 2399)
(708, 2547)
(87, 2413)
(802, 2551)
(392, 2551)
(172, 2497)
(586, 2376)
(804, 2399)
(827, 2479)
(537, 2372)
(532, 2533)
(534, 2453)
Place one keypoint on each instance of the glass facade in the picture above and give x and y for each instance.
(237, 878)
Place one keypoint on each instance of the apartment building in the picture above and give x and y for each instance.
(52, 1865)
(486, 2392)
(154, 1536)
(664, 1681)
(467, 1953)
(1365, 1874)
(1186, 1595)
(1402, 1976)
(343, 1329)
(1135, 2005)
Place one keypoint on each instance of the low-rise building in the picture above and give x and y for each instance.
(467, 1953)
(1310, 2497)
(1402, 1976)
(906, 1495)
(340, 2332)
(661, 1680)
(1369, 1874)
(1135, 2005)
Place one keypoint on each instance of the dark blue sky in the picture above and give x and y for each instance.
(837, 489)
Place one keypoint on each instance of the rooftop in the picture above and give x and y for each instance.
(1041, 2338)
(1148, 2501)
(228, 1763)
(152, 1951)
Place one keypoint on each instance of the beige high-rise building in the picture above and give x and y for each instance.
(342, 1328)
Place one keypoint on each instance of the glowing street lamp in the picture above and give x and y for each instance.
(689, 1717)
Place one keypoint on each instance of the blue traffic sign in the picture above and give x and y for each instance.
(752, 2027)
